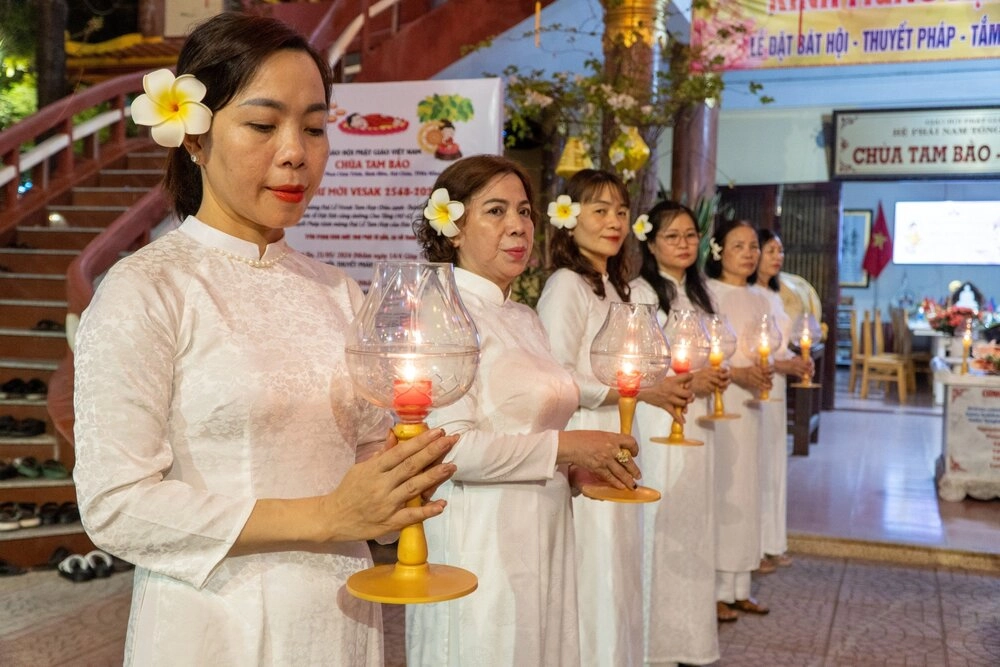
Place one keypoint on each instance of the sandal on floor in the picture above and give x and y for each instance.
(100, 563)
(76, 569)
(766, 566)
(750, 606)
(52, 469)
(781, 560)
(9, 569)
(725, 614)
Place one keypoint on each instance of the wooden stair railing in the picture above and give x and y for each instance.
(51, 137)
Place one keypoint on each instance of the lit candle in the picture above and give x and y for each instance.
(681, 358)
(629, 379)
(411, 397)
(715, 357)
(765, 355)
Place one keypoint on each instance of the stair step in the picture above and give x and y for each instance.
(38, 365)
(147, 178)
(25, 260)
(29, 344)
(143, 161)
(83, 216)
(57, 238)
(48, 286)
(24, 314)
(23, 409)
(28, 548)
(102, 196)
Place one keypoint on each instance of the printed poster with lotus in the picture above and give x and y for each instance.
(749, 34)
(388, 143)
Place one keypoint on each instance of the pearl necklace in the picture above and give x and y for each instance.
(255, 263)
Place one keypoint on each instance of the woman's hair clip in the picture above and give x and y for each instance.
(641, 227)
(171, 107)
(442, 212)
(716, 249)
(563, 212)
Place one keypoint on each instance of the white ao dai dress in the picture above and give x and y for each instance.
(679, 539)
(737, 456)
(206, 379)
(608, 534)
(508, 516)
(774, 443)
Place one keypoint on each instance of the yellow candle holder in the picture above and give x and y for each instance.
(718, 408)
(642, 494)
(765, 365)
(411, 580)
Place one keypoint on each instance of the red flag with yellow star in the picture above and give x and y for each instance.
(879, 251)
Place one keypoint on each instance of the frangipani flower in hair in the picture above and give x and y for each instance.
(641, 227)
(563, 212)
(442, 212)
(716, 249)
(172, 107)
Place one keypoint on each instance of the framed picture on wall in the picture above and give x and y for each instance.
(855, 228)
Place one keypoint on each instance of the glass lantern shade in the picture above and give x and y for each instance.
(412, 346)
(689, 347)
(760, 338)
(721, 339)
(630, 352)
(805, 332)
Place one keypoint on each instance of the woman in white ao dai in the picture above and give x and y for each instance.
(219, 448)
(737, 442)
(508, 518)
(574, 303)
(679, 541)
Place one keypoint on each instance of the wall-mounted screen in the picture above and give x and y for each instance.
(946, 232)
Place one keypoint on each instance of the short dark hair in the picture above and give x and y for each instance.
(713, 267)
(463, 179)
(585, 186)
(224, 53)
(661, 216)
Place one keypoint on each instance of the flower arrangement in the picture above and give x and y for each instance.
(947, 319)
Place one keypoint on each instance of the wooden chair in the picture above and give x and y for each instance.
(857, 354)
(902, 337)
(885, 367)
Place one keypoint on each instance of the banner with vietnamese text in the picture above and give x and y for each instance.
(750, 34)
(388, 143)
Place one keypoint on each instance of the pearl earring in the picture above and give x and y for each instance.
(194, 158)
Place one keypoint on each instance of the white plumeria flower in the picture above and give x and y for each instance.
(627, 175)
(441, 212)
(172, 107)
(716, 249)
(641, 227)
(563, 212)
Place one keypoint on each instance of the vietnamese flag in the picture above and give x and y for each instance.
(879, 251)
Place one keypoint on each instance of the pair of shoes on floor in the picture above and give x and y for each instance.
(749, 606)
(9, 569)
(95, 565)
(28, 427)
(48, 325)
(32, 390)
(14, 516)
(781, 560)
(724, 614)
(28, 466)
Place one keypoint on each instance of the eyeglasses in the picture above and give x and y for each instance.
(691, 238)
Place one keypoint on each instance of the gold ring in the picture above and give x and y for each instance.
(623, 456)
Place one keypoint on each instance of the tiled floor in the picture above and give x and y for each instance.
(868, 482)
